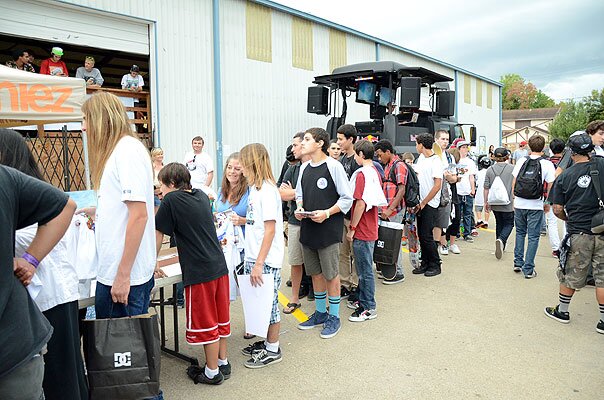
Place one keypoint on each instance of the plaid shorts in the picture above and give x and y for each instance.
(247, 269)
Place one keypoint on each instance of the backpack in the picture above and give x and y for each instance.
(411, 188)
(445, 196)
(529, 182)
(498, 194)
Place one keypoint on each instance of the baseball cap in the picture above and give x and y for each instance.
(501, 152)
(575, 133)
(57, 51)
(523, 143)
(135, 68)
(580, 144)
(454, 144)
(462, 143)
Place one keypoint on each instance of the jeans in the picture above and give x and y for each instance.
(24, 382)
(180, 293)
(504, 223)
(138, 301)
(363, 254)
(467, 214)
(398, 217)
(528, 222)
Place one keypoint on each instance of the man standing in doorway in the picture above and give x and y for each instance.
(200, 165)
(346, 137)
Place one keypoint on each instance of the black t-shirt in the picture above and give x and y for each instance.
(291, 176)
(575, 191)
(187, 216)
(23, 329)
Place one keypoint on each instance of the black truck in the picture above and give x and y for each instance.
(377, 84)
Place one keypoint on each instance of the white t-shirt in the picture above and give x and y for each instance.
(548, 174)
(264, 205)
(129, 81)
(128, 176)
(480, 177)
(463, 186)
(199, 166)
(428, 168)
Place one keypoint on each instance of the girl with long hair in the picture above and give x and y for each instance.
(125, 228)
(157, 159)
(64, 376)
(264, 245)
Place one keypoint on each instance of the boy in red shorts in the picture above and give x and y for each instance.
(185, 213)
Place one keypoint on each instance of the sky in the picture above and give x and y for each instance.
(558, 45)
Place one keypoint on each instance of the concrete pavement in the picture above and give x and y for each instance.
(477, 331)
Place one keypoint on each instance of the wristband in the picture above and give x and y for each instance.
(326, 214)
(31, 259)
(353, 228)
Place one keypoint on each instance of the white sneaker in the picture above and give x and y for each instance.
(454, 249)
(443, 250)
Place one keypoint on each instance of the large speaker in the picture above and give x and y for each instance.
(445, 103)
(318, 100)
(411, 88)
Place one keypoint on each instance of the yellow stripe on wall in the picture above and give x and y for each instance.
(258, 36)
(478, 92)
(302, 44)
(337, 49)
(467, 89)
(489, 95)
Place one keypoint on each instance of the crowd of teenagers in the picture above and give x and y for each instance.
(329, 200)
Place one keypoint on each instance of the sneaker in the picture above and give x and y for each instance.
(531, 275)
(479, 224)
(399, 278)
(353, 305)
(197, 375)
(225, 370)
(344, 293)
(543, 233)
(311, 295)
(331, 327)
(600, 327)
(469, 239)
(474, 232)
(379, 274)
(556, 253)
(485, 226)
(443, 250)
(361, 315)
(517, 268)
(288, 283)
(498, 249)
(559, 316)
(454, 249)
(263, 358)
(253, 348)
(317, 319)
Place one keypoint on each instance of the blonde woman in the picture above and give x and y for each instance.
(157, 159)
(264, 245)
(125, 228)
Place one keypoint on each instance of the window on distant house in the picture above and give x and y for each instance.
(337, 49)
(478, 92)
(522, 123)
(258, 38)
(302, 46)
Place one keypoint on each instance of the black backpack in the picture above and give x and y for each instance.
(411, 188)
(529, 182)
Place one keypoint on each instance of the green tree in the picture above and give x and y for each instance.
(595, 105)
(519, 94)
(573, 116)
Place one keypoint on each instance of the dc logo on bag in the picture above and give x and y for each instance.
(122, 359)
(380, 244)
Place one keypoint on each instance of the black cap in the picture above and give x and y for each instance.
(581, 144)
(484, 161)
(135, 68)
(500, 152)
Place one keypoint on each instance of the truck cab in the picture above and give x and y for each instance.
(393, 93)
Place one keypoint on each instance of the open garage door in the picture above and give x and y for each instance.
(62, 23)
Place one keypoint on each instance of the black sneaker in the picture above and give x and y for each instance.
(197, 375)
(344, 293)
(225, 370)
(399, 278)
(263, 358)
(562, 317)
(517, 268)
(600, 327)
(253, 348)
(311, 295)
(354, 294)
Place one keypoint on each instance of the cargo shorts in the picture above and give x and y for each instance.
(585, 250)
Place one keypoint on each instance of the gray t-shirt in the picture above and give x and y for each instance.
(518, 154)
(95, 75)
(504, 171)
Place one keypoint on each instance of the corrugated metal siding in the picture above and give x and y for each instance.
(185, 83)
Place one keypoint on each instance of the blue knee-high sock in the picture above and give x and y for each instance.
(321, 301)
(334, 306)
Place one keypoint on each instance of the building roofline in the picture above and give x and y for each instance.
(331, 24)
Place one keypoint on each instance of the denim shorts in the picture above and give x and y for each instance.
(247, 269)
